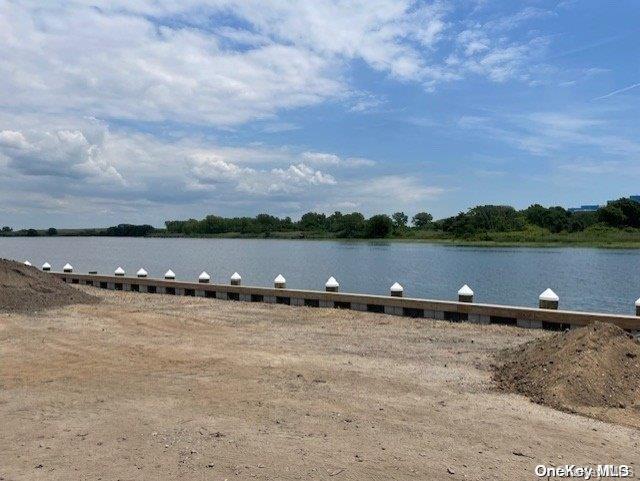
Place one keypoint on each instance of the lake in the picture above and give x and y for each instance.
(585, 279)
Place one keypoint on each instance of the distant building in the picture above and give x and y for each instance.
(584, 208)
(635, 198)
(593, 208)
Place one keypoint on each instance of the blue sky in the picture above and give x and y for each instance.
(143, 111)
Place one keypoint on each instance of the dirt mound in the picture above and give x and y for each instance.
(25, 288)
(597, 366)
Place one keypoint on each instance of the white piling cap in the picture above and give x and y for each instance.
(236, 277)
(67, 266)
(204, 276)
(46, 265)
(119, 271)
(397, 287)
(169, 274)
(638, 302)
(141, 273)
(280, 279)
(549, 295)
(27, 263)
(332, 282)
(465, 291)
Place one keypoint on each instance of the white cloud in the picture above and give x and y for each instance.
(62, 153)
(165, 60)
(13, 140)
(550, 133)
(91, 172)
(323, 158)
(211, 170)
(72, 68)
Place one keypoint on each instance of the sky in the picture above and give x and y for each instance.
(142, 111)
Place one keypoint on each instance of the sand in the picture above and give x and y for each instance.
(143, 386)
(593, 370)
(24, 289)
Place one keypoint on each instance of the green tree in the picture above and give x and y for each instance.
(379, 226)
(52, 231)
(621, 213)
(334, 222)
(313, 221)
(422, 220)
(400, 220)
(495, 218)
(351, 225)
(556, 219)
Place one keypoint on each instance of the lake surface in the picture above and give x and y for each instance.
(585, 279)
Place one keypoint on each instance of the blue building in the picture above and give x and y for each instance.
(593, 208)
(584, 208)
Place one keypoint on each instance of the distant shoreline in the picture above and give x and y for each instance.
(454, 242)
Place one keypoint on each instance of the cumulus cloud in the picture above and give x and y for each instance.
(212, 170)
(11, 139)
(62, 153)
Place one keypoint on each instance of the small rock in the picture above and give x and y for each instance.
(451, 471)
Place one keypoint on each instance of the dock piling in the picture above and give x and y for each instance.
(280, 282)
(548, 300)
(332, 285)
(396, 290)
(465, 294)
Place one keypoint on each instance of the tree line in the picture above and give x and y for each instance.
(620, 214)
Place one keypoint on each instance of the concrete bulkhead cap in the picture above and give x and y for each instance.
(331, 282)
(549, 295)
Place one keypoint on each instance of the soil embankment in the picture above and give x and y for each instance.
(24, 289)
(594, 370)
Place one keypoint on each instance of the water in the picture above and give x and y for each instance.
(585, 279)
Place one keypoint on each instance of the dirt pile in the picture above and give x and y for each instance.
(597, 366)
(24, 288)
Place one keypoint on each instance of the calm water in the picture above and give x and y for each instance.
(585, 279)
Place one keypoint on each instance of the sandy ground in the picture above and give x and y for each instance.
(157, 387)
